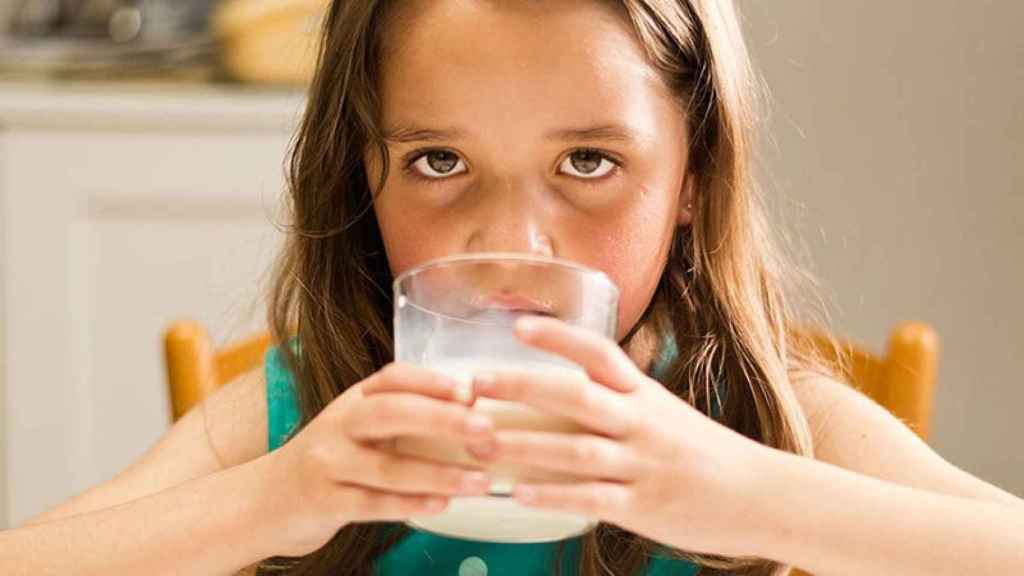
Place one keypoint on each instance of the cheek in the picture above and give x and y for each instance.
(632, 250)
(408, 239)
(407, 235)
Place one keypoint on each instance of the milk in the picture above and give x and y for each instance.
(497, 517)
(501, 519)
(457, 315)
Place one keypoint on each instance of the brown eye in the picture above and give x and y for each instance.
(442, 161)
(587, 164)
(438, 164)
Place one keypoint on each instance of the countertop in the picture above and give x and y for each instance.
(137, 106)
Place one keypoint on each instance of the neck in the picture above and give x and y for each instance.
(643, 348)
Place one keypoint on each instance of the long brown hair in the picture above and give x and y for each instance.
(721, 294)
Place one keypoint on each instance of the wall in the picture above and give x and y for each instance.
(3, 337)
(123, 208)
(894, 145)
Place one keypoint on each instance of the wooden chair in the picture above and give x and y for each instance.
(901, 380)
(195, 368)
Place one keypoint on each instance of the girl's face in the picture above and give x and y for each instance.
(529, 127)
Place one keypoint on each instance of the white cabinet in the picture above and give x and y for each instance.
(120, 211)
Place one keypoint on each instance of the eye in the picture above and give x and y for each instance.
(587, 164)
(438, 164)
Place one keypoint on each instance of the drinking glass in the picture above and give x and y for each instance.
(456, 315)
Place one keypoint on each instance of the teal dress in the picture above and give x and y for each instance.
(426, 553)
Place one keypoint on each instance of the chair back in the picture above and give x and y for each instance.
(902, 379)
(195, 368)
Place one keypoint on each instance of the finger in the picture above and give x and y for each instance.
(408, 475)
(564, 394)
(583, 455)
(603, 360)
(367, 505)
(404, 377)
(603, 500)
(386, 415)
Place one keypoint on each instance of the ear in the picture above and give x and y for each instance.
(684, 216)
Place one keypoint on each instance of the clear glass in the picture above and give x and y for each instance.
(456, 315)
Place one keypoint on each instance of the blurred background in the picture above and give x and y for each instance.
(141, 153)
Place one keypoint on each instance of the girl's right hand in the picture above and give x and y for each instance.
(338, 469)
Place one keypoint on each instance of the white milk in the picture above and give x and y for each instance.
(497, 517)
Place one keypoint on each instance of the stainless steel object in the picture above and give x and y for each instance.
(158, 20)
(106, 37)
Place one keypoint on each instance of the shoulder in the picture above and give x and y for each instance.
(236, 419)
(852, 431)
(846, 426)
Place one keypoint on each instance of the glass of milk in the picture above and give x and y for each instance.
(456, 315)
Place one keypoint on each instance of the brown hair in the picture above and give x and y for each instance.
(720, 295)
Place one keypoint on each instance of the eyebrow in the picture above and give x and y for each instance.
(604, 132)
(403, 134)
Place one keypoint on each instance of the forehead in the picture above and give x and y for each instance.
(476, 61)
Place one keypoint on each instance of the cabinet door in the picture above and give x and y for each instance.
(108, 237)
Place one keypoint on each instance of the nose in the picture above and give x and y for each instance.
(512, 219)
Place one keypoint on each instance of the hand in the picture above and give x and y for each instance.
(338, 469)
(651, 463)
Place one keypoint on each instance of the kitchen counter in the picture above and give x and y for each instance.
(153, 105)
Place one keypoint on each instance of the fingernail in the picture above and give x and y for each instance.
(484, 383)
(478, 424)
(526, 325)
(475, 482)
(525, 493)
(462, 393)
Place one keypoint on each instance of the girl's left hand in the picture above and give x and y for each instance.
(652, 464)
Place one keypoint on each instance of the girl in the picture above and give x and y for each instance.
(613, 133)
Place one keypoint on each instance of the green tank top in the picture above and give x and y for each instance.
(426, 553)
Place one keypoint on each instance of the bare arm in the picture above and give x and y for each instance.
(227, 429)
(832, 521)
(880, 500)
(212, 525)
(288, 502)
(853, 432)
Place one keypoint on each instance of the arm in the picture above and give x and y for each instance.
(227, 429)
(653, 465)
(831, 521)
(212, 525)
(897, 507)
(289, 502)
